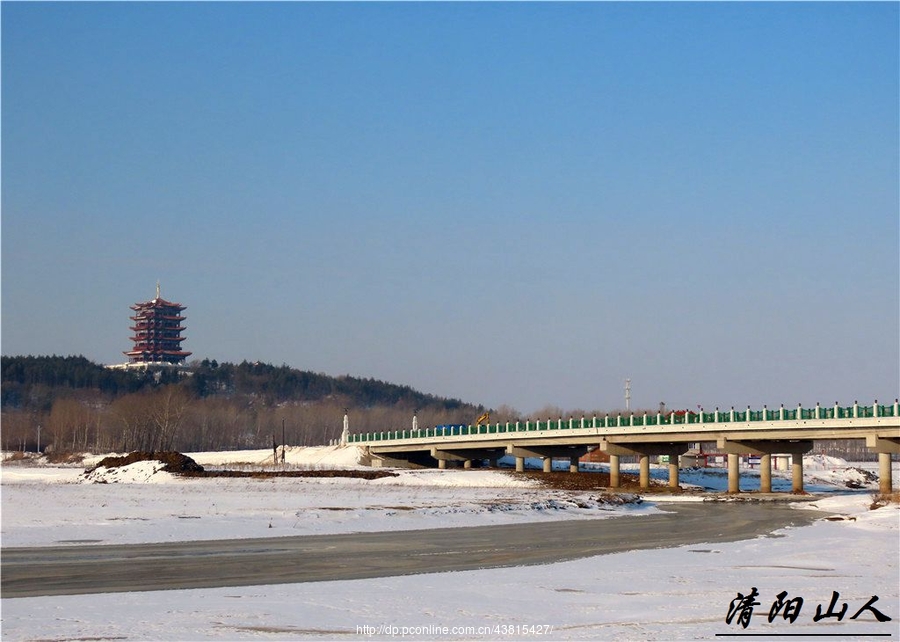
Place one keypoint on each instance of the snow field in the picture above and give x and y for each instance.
(663, 594)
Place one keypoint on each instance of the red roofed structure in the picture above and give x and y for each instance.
(157, 332)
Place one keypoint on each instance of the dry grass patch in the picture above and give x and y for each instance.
(64, 458)
(880, 500)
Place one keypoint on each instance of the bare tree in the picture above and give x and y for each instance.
(70, 424)
(132, 413)
(166, 415)
(19, 429)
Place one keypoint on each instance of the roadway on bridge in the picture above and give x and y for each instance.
(72, 570)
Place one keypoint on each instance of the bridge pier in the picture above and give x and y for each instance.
(644, 451)
(644, 469)
(765, 449)
(547, 454)
(885, 483)
(673, 472)
(797, 471)
(885, 447)
(734, 473)
(765, 473)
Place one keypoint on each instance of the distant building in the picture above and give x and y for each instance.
(157, 334)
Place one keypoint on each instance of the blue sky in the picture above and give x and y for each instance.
(508, 203)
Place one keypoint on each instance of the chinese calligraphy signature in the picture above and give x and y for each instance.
(741, 609)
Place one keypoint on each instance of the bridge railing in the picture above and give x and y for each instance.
(618, 421)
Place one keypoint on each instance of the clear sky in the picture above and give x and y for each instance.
(508, 203)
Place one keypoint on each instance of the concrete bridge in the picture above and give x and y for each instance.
(762, 432)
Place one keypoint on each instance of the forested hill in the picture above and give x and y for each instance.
(34, 382)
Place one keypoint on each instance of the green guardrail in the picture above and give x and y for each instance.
(659, 419)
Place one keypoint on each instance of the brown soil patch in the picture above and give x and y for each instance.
(64, 458)
(263, 474)
(583, 481)
(881, 500)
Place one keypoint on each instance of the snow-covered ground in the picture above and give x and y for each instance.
(663, 594)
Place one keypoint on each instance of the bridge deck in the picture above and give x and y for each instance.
(853, 422)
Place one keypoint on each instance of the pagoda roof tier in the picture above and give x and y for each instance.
(174, 353)
(153, 311)
(138, 328)
(157, 303)
(155, 322)
(142, 346)
(156, 332)
(154, 314)
(159, 345)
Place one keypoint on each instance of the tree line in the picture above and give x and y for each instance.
(72, 404)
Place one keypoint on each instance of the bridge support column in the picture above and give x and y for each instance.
(673, 472)
(765, 448)
(467, 464)
(765, 473)
(442, 464)
(644, 451)
(520, 464)
(546, 454)
(573, 464)
(734, 473)
(885, 447)
(645, 472)
(797, 472)
(885, 483)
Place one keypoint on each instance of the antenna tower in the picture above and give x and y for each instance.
(627, 395)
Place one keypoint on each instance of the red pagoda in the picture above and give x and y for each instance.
(157, 332)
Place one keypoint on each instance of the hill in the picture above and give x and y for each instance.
(81, 405)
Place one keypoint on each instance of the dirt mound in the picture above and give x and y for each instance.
(174, 462)
(859, 478)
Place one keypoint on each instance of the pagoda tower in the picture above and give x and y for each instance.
(157, 332)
